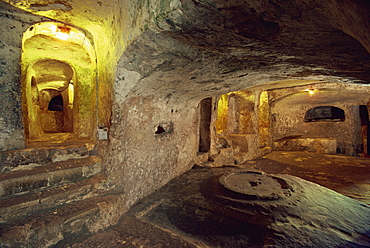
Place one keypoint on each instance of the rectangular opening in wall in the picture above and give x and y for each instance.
(365, 134)
(205, 107)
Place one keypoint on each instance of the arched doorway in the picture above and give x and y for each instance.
(52, 100)
(59, 83)
(365, 134)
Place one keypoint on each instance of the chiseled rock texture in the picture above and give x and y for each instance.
(321, 218)
(13, 23)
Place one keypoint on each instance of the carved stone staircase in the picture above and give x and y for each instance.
(50, 195)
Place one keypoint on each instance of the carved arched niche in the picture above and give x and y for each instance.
(58, 83)
(52, 83)
(324, 113)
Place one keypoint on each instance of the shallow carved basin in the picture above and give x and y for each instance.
(257, 184)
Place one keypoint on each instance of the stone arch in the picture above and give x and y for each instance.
(324, 113)
(58, 61)
(51, 79)
(56, 103)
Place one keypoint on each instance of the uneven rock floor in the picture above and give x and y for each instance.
(181, 214)
(347, 175)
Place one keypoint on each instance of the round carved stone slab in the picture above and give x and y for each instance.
(257, 184)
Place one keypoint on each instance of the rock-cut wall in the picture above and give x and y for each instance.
(151, 142)
(13, 23)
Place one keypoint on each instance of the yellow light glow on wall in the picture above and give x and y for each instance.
(222, 110)
(71, 93)
(62, 36)
(310, 91)
(247, 95)
(60, 31)
(264, 119)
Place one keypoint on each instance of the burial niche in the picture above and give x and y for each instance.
(204, 124)
(324, 113)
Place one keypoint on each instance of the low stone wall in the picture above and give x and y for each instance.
(320, 145)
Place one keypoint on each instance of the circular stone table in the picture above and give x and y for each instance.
(256, 184)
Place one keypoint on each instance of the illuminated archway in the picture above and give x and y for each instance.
(50, 81)
(58, 62)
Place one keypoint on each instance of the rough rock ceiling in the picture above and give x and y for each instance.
(325, 97)
(211, 47)
(204, 49)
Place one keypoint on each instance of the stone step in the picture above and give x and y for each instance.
(23, 158)
(15, 208)
(69, 222)
(133, 232)
(49, 175)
